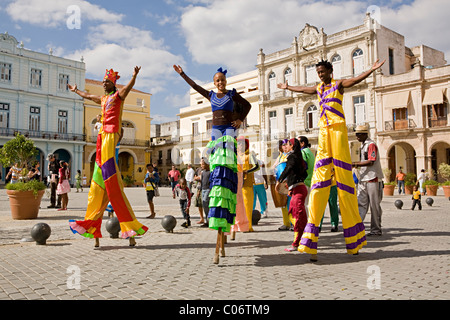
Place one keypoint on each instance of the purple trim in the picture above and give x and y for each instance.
(344, 187)
(308, 243)
(108, 169)
(326, 107)
(354, 245)
(321, 184)
(311, 228)
(326, 100)
(353, 231)
(342, 164)
(323, 162)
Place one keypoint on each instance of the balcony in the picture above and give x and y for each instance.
(397, 125)
(125, 142)
(438, 122)
(45, 135)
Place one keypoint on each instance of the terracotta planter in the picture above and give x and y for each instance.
(409, 189)
(446, 191)
(24, 205)
(389, 190)
(431, 190)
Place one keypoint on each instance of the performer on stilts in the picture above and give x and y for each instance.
(333, 150)
(223, 159)
(107, 185)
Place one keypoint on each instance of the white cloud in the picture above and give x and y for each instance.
(122, 47)
(53, 13)
(177, 101)
(159, 118)
(231, 32)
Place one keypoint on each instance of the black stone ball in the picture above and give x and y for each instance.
(429, 201)
(168, 223)
(256, 216)
(40, 233)
(398, 204)
(113, 227)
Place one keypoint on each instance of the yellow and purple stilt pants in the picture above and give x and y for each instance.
(107, 186)
(333, 151)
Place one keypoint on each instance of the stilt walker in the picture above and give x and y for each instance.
(333, 150)
(107, 185)
(223, 159)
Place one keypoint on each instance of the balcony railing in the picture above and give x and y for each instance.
(46, 135)
(439, 122)
(399, 125)
(125, 142)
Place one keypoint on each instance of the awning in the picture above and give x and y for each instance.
(433, 96)
(397, 100)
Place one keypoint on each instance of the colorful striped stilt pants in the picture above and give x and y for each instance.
(333, 151)
(107, 186)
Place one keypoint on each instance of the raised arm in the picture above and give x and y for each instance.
(191, 82)
(347, 83)
(123, 93)
(85, 95)
(301, 89)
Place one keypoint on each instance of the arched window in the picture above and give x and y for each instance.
(358, 62)
(288, 79)
(312, 117)
(336, 61)
(272, 84)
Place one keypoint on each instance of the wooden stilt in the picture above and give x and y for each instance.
(224, 239)
(132, 242)
(233, 235)
(97, 243)
(218, 246)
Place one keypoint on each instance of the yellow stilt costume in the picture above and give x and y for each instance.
(333, 151)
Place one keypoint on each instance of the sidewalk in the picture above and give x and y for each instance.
(410, 261)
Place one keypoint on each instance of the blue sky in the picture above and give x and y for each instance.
(201, 35)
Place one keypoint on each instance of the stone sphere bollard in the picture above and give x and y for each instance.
(429, 201)
(113, 227)
(398, 204)
(40, 233)
(256, 216)
(168, 223)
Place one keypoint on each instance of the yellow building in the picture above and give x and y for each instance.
(134, 152)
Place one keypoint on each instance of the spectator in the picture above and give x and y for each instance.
(400, 179)
(173, 176)
(370, 186)
(189, 176)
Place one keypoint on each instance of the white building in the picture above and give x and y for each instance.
(35, 101)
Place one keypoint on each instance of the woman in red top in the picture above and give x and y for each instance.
(63, 187)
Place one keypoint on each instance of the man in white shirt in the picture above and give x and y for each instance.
(189, 176)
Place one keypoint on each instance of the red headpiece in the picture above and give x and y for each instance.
(111, 76)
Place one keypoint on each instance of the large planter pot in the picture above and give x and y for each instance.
(389, 189)
(24, 204)
(409, 189)
(446, 191)
(431, 190)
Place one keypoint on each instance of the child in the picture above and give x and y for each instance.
(149, 184)
(182, 190)
(78, 181)
(416, 198)
(295, 174)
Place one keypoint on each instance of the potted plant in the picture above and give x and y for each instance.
(389, 186)
(431, 186)
(444, 171)
(24, 195)
(410, 181)
(128, 181)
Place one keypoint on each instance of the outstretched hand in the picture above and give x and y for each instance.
(136, 71)
(178, 69)
(378, 64)
(72, 88)
(283, 86)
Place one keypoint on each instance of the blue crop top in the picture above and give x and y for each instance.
(224, 103)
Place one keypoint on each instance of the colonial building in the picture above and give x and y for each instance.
(134, 151)
(35, 101)
(165, 153)
(404, 103)
(413, 124)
